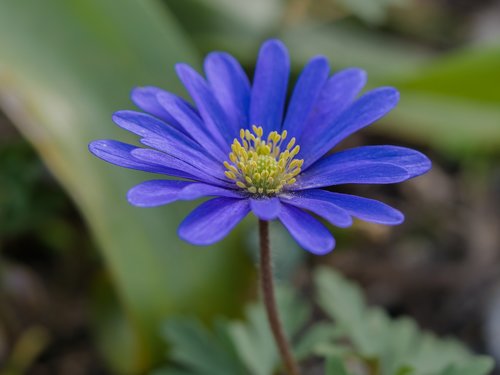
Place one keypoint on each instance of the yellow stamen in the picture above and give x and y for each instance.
(257, 165)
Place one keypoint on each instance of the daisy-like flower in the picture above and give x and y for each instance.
(238, 145)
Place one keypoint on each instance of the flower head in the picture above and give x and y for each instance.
(238, 146)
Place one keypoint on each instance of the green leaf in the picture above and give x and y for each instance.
(257, 15)
(199, 350)
(240, 26)
(452, 102)
(253, 339)
(479, 366)
(65, 66)
(344, 302)
(397, 346)
(335, 366)
(403, 338)
(234, 347)
(317, 339)
(370, 11)
(405, 370)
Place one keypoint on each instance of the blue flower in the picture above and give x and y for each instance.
(238, 145)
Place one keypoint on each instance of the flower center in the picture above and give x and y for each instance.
(259, 165)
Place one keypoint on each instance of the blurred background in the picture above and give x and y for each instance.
(85, 279)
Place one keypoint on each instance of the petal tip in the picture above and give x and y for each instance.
(138, 90)
(93, 145)
(132, 200)
(274, 43)
(396, 218)
(121, 116)
(392, 93)
(426, 164)
(360, 73)
(182, 69)
(326, 248)
(187, 237)
(275, 47)
(399, 218)
(216, 56)
(346, 224)
(319, 60)
(97, 146)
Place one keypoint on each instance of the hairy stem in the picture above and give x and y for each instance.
(266, 277)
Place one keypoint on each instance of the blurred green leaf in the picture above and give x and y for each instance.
(257, 17)
(253, 339)
(370, 11)
(396, 346)
(335, 366)
(360, 339)
(317, 340)
(202, 352)
(452, 103)
(252, 15)
(236, 347)
(240, 28)
(467, 74)
(65, 66)
(479, 366)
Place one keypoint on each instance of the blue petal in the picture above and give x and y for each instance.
(266, 208)
(336, 96)
(164, 138)
(305, 95)
(269, 86)
(119, 153)
(187, 154)
(362, 208)
(146, 99)
(230, 86)
(146, 126)
(211, 112)
(327, 210)
(306, 230)
(155, 192)
(160, 192)
(369, 108)
(328, 174)
(161, 159)
(413, 161)
(191, 122)
(213, 220)
(197, 190)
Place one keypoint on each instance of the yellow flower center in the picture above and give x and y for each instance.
(259, 165)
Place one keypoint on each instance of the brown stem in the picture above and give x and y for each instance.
(266, 277)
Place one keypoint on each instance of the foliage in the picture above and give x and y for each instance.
(65, 66)
(389, 346)
(371, 11)
(60, 88)
(357, 340)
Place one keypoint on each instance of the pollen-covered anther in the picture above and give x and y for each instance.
(259, 166)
